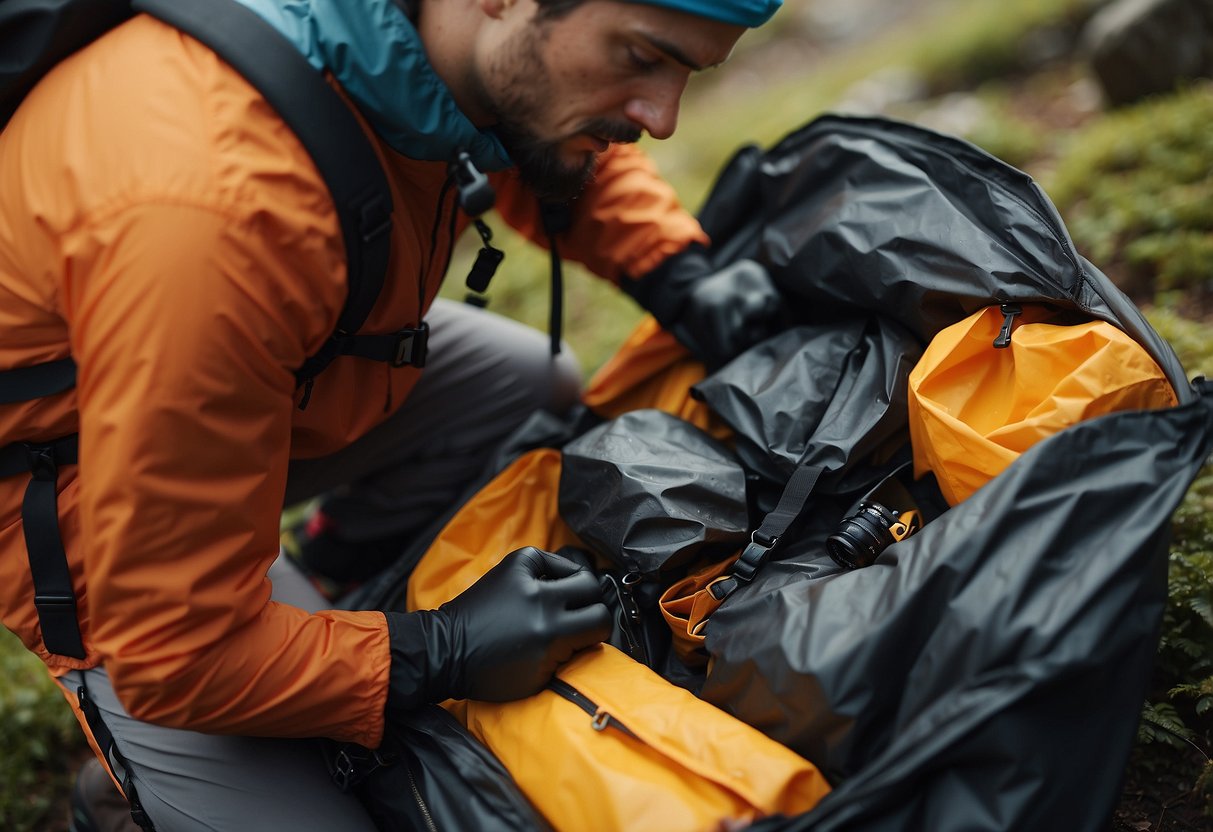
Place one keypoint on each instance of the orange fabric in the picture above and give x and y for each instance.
(651, 369)
(160, 224)
(686, 606)
(688, 767)
(975, 408)
(626, 222)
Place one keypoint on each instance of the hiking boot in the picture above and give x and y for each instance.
(97, 805)
(314, 549)
(332, 563)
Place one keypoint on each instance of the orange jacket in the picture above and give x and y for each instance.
(160, 224)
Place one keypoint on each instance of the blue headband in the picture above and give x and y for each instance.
(750, 13)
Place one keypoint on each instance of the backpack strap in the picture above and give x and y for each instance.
(328, 131)
(25, 384)
(54, 598)
(766, 537)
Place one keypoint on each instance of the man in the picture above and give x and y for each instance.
(162, 226)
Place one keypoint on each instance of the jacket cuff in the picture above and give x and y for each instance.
(422, 660)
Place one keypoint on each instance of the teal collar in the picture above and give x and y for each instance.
(374, 52)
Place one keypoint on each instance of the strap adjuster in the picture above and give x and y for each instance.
(753, 557)
(374, 219)
(41, 459)
(54, 601)
(412, 345)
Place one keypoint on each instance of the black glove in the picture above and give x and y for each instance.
(715, 313)
(502, 638)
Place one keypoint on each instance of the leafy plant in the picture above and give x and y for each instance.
(39, 738)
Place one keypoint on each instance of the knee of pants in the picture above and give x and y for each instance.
(566, 381)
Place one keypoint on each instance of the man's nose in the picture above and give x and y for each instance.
(657, 109)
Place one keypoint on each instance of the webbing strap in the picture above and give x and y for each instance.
(24, 384)
(54, 597)
(109, 748)
(766, 537)
(320, 119)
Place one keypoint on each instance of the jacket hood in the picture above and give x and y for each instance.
(376, 55)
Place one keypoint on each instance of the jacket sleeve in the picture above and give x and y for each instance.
(624, 225)
(186, 325)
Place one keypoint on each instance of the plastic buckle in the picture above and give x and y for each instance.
(412, 346)
(476, 194)
(351, 767)
(41, 460)
(754, 556)
(375, 219)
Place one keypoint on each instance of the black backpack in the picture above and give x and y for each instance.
(37, 34)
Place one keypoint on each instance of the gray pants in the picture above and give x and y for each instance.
(487, 375)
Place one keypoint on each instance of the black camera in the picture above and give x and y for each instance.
(868, 531)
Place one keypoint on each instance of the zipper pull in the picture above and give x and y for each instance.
(603, 720)
(627, 595)
(1009, 312)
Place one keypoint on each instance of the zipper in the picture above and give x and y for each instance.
(1009, 312)
(420, 801)
(600, 719)
(629, 618)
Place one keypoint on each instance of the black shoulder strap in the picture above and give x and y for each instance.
(25, 384)
(322, 121)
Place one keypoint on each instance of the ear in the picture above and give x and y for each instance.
(495, 8)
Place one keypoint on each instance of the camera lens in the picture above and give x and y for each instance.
(862, 537)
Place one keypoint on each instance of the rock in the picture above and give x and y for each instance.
(884, 89)
(1142, 47)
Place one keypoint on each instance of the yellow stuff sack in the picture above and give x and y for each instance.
(974, 407)
(612, 745)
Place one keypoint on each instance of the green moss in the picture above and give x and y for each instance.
(39, 738)
(1136, 189)
(1190, 339)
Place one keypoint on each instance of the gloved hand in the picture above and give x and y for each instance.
(715, 313)
(502, 638)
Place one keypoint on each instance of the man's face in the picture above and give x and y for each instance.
(560, 91)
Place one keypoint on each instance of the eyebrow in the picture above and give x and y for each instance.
(673, 51)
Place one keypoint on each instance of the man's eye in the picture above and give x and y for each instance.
(642, 60)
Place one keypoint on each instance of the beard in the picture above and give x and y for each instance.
(521, 95)
(542, 165)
